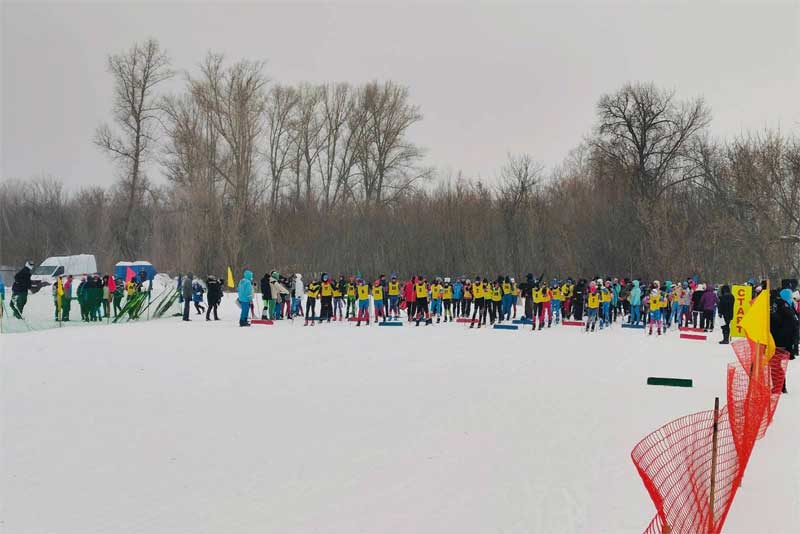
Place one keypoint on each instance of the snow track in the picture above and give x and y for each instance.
(165, 427)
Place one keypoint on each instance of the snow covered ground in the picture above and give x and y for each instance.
(172, 427)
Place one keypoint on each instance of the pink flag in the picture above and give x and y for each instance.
(129, 275)
(112, 284)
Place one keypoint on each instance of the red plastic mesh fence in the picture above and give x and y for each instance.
(675, 461)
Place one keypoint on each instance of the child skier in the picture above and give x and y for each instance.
(326, 298)
(351, 298)
(377, 301)
(544, 307)
(478, 302)
(605, 303)
(514, 297)
(421, 291)
(654, 303)
(557, 297)
(339, 294)
(497, 299)
(312, 293)
(592, 306)
(466, 302)
(436, 299)
(394, 297)
(505, 300)
(362, 291)
(447, 300)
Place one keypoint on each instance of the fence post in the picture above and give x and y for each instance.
(714, 438)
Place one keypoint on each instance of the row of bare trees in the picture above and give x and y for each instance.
(324, 177)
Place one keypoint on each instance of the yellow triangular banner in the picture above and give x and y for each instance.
(230, 278)
(756, 324)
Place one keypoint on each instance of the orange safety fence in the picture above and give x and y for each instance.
(677, 460)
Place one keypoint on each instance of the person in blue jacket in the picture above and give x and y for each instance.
(2, 295)
(458, 296)
(636, 303)
(245, 297)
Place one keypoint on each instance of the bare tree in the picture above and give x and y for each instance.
(337, 158)
(136, 74)
(387, 161)
(517, 181)
(646, 131)
(235, 100)
(281, 103)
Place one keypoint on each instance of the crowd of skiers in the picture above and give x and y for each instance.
(597, 302)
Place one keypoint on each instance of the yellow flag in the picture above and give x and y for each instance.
(230, 278)
(60, 288)
(756, 324)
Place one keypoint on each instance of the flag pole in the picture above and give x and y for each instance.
(714, 440)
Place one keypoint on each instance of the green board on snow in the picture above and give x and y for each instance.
(674, 382)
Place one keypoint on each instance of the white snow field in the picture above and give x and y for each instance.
(172, 427)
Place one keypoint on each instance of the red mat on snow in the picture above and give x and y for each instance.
(693, 336)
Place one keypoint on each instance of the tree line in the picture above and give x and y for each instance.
(325, 177)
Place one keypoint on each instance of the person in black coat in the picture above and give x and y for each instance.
(725, 310)
(577, 299)
(214, 296)
(526, 292)
(785, 329)
(20, 288)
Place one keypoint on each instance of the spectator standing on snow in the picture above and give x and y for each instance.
(636, 303)
(245, 291)
(725, 309)
(186, 293)
(20, 288)
(298, 292)
(214, 296)
(266, 296)
(106, 298)
(119, 291)
(708, 304)
(784, 329)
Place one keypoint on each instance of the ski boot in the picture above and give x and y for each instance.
(428, 321)
(549, 323)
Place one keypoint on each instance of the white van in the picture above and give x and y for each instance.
(50, 269)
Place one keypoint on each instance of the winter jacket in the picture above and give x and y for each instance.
(186, 290)
(784, 326)
(214, 291)
(2, 289)
(246, 287)
(197, 291)
(277, 289)
(298, 286)
(636, 294)
(22, 281)
(697, 297)
(265, 290)
(709, 300)
(458, 290)
(726, 304)
(408, 292)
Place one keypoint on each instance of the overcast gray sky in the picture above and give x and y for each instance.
(490, 79)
